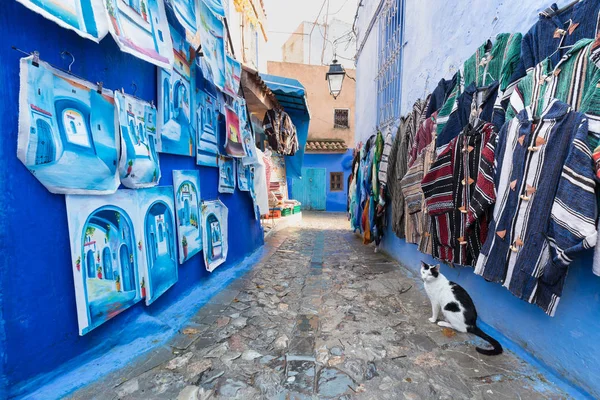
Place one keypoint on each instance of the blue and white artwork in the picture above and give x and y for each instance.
(214, 233)
(157, 221)
(206, 124)
(68, 134)
(139, 166)
(140, 28)
(186, 186)
(251, 157)
(216, 6)
(123, 250)
(227, 174)
(186, 12)
(86, 17)
(233, 75)
(251, 185)
(212, 34)
(104, 231)
(243, 176)
(176, 134)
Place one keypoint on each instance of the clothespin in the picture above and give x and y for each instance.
(36, 58)
(100, 86)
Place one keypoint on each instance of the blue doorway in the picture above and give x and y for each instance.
(311, 189)
(45, 151)
(107, 263)
(90, 264)
(126, 269)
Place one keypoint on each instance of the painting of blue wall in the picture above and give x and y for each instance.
(186, 186)
(243, 176)
(105, 255)
(86, 17)
(216, 6)
(227, 174)
(212, 36)
(186, 12)
(159, 235)
(206, 124)
(233, 75)
(140, 28)
(251, 157)
(176, 135)
(139, 165)
(214, 233)
(67, 131)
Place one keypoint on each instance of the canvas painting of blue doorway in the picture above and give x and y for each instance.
(227, 174)
(85, 17)
(139, 166)
(243, 176)
(214, 233)
(67, 131)
(207, 125)
(251, 157)
(186, 185)
(140, 28)
(159, 235)
(186, 12)
(212, 35)
(176, 135)
(104, 231)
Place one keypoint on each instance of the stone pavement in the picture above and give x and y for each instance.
(321, 316)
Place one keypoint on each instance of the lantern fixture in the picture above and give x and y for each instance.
(335, 78)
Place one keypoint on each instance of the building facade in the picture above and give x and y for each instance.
(328, 152)
(404, 48)
(248, 28)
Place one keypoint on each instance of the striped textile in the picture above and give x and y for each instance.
(415, 119)
(482, 68)
(453, 195)
(428, 157)
(545, 211)
(423, 137)
(574, 80)
(384, 163)
(396, 170)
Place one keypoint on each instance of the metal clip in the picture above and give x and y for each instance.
(100, 87)
(36, 58)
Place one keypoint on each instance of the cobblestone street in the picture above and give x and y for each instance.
(321, 316)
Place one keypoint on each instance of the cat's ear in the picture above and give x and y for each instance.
(424, 265)
(436, 267)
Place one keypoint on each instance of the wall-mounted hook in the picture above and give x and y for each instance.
(134, 86)
(64, 55)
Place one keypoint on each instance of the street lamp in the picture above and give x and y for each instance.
(335, 78)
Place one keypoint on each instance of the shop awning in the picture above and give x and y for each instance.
(292, 96)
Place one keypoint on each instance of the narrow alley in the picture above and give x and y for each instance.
(321, 315)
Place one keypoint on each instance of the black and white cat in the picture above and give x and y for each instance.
(456, 305)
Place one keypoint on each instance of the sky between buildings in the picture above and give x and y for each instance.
(284, 16)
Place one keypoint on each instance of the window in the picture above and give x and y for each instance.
(336, 181)
(390, 49)
(341, 118)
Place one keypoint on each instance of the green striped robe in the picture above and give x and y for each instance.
(574, 80)
(483, 68)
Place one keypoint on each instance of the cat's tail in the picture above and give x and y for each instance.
(497, 347)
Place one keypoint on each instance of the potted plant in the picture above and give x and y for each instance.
(118, 283)
(130, 163)
(143, 287)
(184, 244)
(78, 264)
(144, 12)
(140, 245)
(99, 269)
(107, 232)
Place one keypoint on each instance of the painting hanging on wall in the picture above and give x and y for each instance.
(207, 125)
(243, 176)
(233, 74)
(227, 174)
(186, 186)
(253, 192)
(104, 232)
(216, 6)
(67, 131)
(212, 34)
(239, 105)
(234, 145)
(176, 135)
(278, 170)
(139, 165)
(140, 28)
(214, 233)
(186, 12)
(157, 223)
(85, 17)
(123, 249)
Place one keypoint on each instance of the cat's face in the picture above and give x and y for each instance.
(429, 272)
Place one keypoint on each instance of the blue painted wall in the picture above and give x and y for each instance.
(336, 201)
(38, 324)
